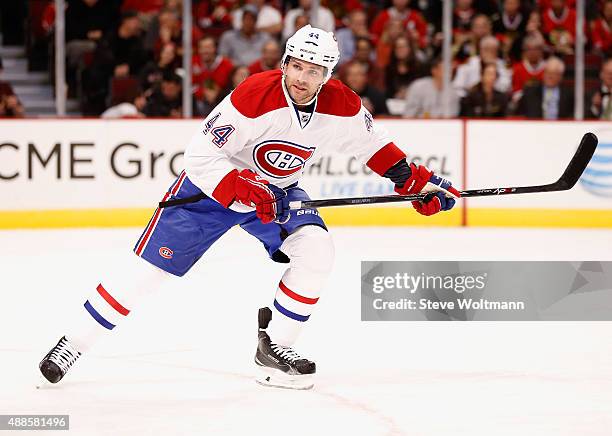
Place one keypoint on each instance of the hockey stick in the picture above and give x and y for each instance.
(567, 180)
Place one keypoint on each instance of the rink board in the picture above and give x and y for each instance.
(101, 173)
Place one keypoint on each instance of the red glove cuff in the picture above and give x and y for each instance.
(385, 158)
(225, 192)
(417, 180)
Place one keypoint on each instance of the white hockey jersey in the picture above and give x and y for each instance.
(257, 127)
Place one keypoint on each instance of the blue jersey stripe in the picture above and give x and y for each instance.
(289, 313)
(96, 315)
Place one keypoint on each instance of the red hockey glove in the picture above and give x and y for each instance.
(270, 201)
(442, 193)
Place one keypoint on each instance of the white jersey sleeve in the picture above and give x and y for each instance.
(222, 134)
(369, 143)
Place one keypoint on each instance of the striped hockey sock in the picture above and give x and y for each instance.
(110, 303)
(290, 312)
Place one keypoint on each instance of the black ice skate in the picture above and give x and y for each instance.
(280, 366)
(58, 361)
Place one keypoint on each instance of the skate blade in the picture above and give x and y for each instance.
(277, 379)
(43, 383)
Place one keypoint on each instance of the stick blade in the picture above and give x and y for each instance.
(579, 162)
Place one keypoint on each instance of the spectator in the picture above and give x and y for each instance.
(166, 100)
(467, 45)
(413, 22)
(533, 28)
(243, 46)
(509, 26)
(424, 96)
(128, 109)
(269, 19)
(342, 8)
(174, 5)
(483, 101)
(10, 106)
(324, 20)
(534, 25)
(301, 21)
(403, 68)
(364, 55)
(119, 54)
(153, 72)
(166, 28)
(270, 58)
(393, 30)
(600, 102)
(548, 100)
(239, 74)
(86, 16)
(87, 21)
(147, 9)
(123, 50)
(463, 13)
(530, 70)
(208, 65)
(601, 31)
(559, 23)
(211, 75)
(469, 73)
(357, 79)
(169, 31)
(357, 27)
(213, 16)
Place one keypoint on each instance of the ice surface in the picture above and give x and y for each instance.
(183, 363)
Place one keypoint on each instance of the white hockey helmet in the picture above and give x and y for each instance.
(313, 45)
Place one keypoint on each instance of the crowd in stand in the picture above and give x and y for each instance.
(10, 106)
(510, 57)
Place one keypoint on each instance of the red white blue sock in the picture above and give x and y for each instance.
(311, 252)
(110, 303)
(291, 310)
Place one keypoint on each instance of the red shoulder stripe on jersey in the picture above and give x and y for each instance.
(225, 192)
(295, 296)
(385, 158)
(338, 99)
(110, 300)
(259, 94)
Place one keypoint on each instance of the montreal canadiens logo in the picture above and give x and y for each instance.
(166, 253)
(281, 159)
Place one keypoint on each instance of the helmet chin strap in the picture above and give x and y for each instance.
(289, 94)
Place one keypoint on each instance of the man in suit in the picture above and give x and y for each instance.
(548, 100)
(600, 102)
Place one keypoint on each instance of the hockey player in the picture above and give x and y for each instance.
(242, 168)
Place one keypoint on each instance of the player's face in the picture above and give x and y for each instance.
(303, 80)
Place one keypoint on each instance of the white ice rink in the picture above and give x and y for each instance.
(182, 363)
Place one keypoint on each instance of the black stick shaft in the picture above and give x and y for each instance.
(400, 198)
(568, 179)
